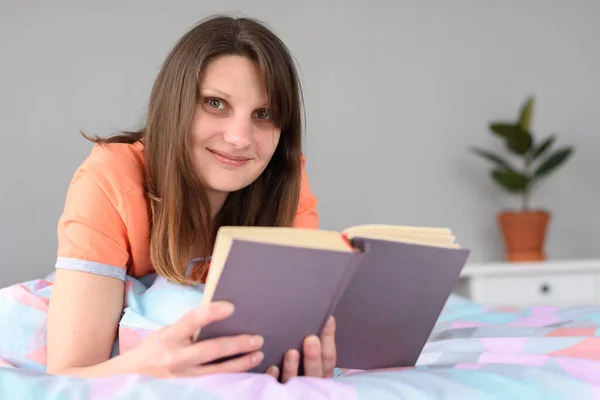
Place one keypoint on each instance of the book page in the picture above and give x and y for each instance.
(441, 237)
(297, 237)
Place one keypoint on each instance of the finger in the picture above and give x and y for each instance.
(313, 363)
(214, 349)
(238, 364)
(188, 325)
(290, 365)
(329, 351)
(273, 371)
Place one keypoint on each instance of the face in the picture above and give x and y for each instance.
(232, 133)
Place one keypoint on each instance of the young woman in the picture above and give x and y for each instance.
(221, 145)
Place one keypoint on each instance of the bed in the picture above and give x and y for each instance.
(474, 352)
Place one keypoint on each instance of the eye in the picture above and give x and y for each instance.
(263, 114)
(215, 103)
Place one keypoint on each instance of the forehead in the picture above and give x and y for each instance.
(237, 77)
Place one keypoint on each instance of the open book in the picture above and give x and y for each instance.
(385, 285)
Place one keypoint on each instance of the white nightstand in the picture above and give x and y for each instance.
(554, 283)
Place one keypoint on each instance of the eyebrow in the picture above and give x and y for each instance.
(219, 92)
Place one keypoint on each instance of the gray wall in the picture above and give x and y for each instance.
(396, 92)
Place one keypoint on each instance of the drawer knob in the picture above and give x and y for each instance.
(545, 288)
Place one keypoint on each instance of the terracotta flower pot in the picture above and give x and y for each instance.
(524, 234)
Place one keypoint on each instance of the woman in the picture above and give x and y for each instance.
(221, 146)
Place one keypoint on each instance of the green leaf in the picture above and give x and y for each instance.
(526, 113)
(552, 162)
(492, 157)
(546, 144)
(510, 180)
(518, 140)
(502, 129)
(522, 141)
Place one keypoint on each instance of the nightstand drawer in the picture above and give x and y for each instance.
(548, 289)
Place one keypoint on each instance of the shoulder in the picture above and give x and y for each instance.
(307, 215)
(117, 168)
(104, 223)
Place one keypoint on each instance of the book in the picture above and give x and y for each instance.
(385, 285)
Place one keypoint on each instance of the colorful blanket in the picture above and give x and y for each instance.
(473, 353)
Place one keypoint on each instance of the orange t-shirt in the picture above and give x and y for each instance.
(105, 229)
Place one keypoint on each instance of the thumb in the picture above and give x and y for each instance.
(188, 325)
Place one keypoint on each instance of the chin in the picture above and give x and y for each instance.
(227, 189)
(223, 180)
(220, 185)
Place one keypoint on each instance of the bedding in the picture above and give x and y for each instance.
(474, 352)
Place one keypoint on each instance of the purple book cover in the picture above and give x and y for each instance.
(392, 303)
(283, 293)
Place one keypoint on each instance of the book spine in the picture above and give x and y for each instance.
(347, 239)
(353, 265)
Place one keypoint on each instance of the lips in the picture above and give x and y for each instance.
(229, 159)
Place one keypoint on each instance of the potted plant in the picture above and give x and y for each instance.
(523, 230)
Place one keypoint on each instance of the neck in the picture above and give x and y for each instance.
(216, 200)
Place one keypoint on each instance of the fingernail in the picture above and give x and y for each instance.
(256, 340)
(225, 307)
(291, 356)
(257, 357)
(312, 341)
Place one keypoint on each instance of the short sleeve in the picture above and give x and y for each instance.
(92, 234)
(307, 215)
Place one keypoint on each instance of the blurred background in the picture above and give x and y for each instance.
(396, 94)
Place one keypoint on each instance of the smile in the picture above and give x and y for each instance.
(229, 159)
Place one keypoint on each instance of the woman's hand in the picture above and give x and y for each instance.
(83, 319)
(170, 350)
(319, 356)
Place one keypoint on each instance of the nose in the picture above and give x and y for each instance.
(239, 133)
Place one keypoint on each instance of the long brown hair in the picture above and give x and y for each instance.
(178, 205)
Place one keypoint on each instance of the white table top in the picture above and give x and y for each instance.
(528, 268)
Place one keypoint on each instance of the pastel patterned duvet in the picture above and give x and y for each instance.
(473, 353)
